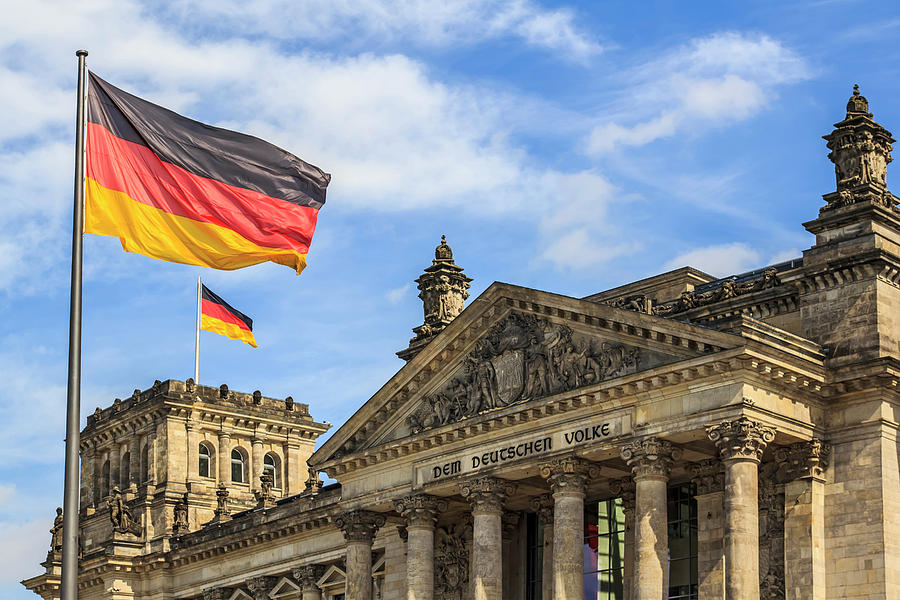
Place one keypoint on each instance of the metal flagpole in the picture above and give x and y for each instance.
(197, 340)
(69, 583)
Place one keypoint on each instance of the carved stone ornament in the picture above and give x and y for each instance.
(223, 391)
(215, 593)
(181, 524)
(708, 476)
(259, 587)
(359, 525)
(313, 483)
(56, 533)
(308, 576)
(264, 496)
(804, 460)
(451, 563)
(486, 494)
(624, 489)
(420, 510)
(717, 292)
(509, 523)
(568, 474)
(120, 514)
(289, 403)
(190, 385)
(650, 457)
(543, 506)
(861, 151)
(771, 533)
(222, 512)
(522, 358)
(741, 438)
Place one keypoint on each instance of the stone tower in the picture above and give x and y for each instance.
(443, 289)
(850, 299)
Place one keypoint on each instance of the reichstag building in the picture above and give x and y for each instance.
(681, 437)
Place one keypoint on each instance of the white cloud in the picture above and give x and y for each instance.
(396, 295)
(425, 22)
(581, 248)
(722, 78)
(22, 547)
(719, 260)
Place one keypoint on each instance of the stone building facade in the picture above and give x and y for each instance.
(677, 437)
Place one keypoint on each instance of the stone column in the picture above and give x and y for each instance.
(487, 496)
(359, 529)
(134, 469)
(543, 506)
(650, 460)
(88, 468)
(741, 443)
(256, 459)
(568, 477)
(420, 513)
(223, 460)
(193, 452)
(708, 477)
(308, 576)
(115, 460)
(513, 577)
(625, 489)
(804, 465)
(259, 587)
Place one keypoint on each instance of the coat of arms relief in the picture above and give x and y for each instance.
(523, 357)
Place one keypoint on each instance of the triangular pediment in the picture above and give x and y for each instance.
(516, 346)
(285, 588)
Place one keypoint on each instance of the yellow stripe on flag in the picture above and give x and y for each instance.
(147, 230)
(231, 330)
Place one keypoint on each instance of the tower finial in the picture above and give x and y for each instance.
(857, 105)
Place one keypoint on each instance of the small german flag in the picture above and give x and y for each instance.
(218, 316)
(178, 190)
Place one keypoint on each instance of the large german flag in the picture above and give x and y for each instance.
(175, 189)
(218, 316)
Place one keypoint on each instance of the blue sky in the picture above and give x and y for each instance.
(566, 147)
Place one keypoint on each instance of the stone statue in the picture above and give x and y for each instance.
(56, 533)
(181, 524)
(120, 514)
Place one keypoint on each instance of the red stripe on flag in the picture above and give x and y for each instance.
(136, 171)
(217, 311)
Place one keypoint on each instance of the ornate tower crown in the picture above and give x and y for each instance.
(860, 150)
(443, 289)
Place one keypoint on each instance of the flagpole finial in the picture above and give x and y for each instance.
(81, 53)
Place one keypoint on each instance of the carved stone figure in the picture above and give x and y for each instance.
(264, 496)
(771, 533)
(120, 514)
(451, 563)
(522, 358)
(56, 533)
(181, 524)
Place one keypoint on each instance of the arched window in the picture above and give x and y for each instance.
(237, 466)
(204, 466)
(270, 466)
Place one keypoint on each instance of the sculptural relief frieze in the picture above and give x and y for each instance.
(451, 563)
(524, 357)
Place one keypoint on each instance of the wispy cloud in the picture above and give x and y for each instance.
(719, 260)
(396, 295)
(711, 81)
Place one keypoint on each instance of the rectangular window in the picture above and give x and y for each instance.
(534, 568)
(604, 550)
(682, 518)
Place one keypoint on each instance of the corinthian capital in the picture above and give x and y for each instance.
(543, 506)
(260, 587)
(624, 489)
(308, 576)
(359, 525)
(805, 460)
(708, 476)
(569, 474)
(486, 494)
(650, 457)
(420, 510)
(740, 439)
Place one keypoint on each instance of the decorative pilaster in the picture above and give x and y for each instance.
(487, 496)
(420, 512)
(181, 524)
(308, 577)
(259, 587)
(625, 489)
(741, 443)
(804, 465)
(543, 506)
(568, 477)
(359, 529)
(708, 477)
(650, 460)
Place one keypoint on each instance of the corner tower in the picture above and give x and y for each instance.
(850, 300)
(443, 289)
